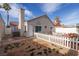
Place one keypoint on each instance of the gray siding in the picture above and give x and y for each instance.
(42, 21)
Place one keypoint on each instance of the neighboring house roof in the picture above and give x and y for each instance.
(13, 23)
(69, 26)
(40, 17)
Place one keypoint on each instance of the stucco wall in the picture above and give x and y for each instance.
(8, 31)
(66, 30)
(42, 21)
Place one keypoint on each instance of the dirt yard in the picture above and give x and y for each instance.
(22, 46)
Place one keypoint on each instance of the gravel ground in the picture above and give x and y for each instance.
(22, 46)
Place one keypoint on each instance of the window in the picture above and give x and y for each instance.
(37, 28)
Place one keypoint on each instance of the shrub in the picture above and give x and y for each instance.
(38, 48)
(9, 46)
(45, 49)
(22, 44)
(31, 49)
(53, 49)
(61, 48)
(32, 54)
(49, 50)
(27, 47)
(45, 52)
(57, 51)
(39, 53)
(16, 44)
(5, 51)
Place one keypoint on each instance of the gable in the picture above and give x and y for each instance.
(40, 20)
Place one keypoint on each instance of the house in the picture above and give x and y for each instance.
(14, 26)
(40, 24)
(59, 28)
(14, 29)
(2, 27)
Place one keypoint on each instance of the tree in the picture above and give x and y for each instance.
(57, 21)
(7, 7)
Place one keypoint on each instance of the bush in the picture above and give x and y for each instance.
(16, 45)
(5, 51)
(32, 54)
(57, 51)
(39, 53)
(61, 48)
(53, 49)
(45, 49)
(27, 47)
(49, 50)
(22, 44)
(9, 46)
(38, 47)
(31, 49)
(45, 52)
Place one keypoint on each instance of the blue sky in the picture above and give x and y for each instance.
(68, 13)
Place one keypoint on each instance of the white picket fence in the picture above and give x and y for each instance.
(59, 40)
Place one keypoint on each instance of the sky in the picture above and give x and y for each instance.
(68, 13)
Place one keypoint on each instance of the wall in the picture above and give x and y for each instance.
(66, 30)
(21, 18)
(21, 22)
(42, 21)
(8, 31)
(2, 29)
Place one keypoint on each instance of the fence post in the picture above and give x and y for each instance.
(49, 38)
(65, 42)
(73, 43)
(70, 44)
(36, 35)
(77, 44)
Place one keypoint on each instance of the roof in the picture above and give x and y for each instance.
(70, 26)
(13, 23)
(40, 17)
